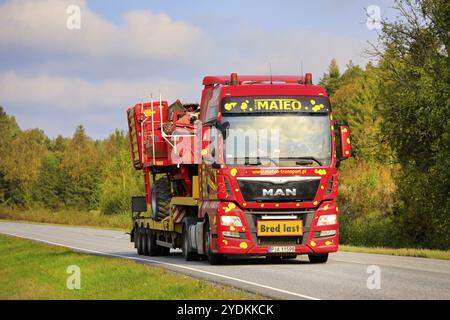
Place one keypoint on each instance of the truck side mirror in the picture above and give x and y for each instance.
(346, 145)
(223, 128)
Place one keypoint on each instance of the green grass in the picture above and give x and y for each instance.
(407, 252)
(30, 270)
(69, 217)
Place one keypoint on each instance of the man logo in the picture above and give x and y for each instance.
(279, 192)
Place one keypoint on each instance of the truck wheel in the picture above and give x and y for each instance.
(164, 251)
(135, 236)
(153, 249)
(145, 244)
(161, 195)
(318, 258)
(214, 258)
(188, 255)
(140, 241)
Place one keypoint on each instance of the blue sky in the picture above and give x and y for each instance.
(55, 78)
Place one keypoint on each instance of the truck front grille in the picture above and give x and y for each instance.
(263, 241)
(254, 215)
(290, 191)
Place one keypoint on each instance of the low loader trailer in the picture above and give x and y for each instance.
(250, 171)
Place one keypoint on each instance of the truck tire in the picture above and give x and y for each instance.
(164, 251)
(213, 258)
(153, 249)
(318, 258)
(135, 236)
(140, 241)
(188, 255)
(161, 195)
(145, 244)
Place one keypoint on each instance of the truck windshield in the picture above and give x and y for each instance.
(278, 139)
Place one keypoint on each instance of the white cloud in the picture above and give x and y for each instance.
(72, 94)
(157, 35)
(285, 50)
(103, 68)
(41, 24)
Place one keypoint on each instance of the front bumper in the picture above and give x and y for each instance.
(229, 246)
(250, 244)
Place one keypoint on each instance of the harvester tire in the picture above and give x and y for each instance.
(161, 195)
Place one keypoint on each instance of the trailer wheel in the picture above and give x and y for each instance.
(145, 243)
(164, 251)
(214, 258)
(153, 249)
(188, 255)
(135, 236)
(318, 258)
(161, 195)
(140, 241)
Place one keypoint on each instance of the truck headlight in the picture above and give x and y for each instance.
(327, 233)
(231, 234)
(327, 219)
(231, 221)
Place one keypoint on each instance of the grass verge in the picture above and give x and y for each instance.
(31, 270)
(407, 252)
(69, 217)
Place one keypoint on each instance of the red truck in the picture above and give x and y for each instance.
(250, 171)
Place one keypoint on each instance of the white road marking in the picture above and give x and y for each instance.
(168, 264)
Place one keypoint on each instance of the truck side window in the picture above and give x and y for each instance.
(213, 106)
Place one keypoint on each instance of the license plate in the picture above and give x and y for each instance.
(281, 249)
(271, 228)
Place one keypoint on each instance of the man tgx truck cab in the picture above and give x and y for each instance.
(251, 171)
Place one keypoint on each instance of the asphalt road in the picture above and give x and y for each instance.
(345, 276)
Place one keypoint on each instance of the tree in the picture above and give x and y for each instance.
(23, 162)
(8, 130)
(356, 102)
(81, 171)
(48, 190)
(332, 79)
(120, 181)
(413, 59)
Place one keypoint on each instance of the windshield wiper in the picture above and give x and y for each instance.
(302, 161)
(257, 163)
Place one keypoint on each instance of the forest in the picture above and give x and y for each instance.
(393, 192)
